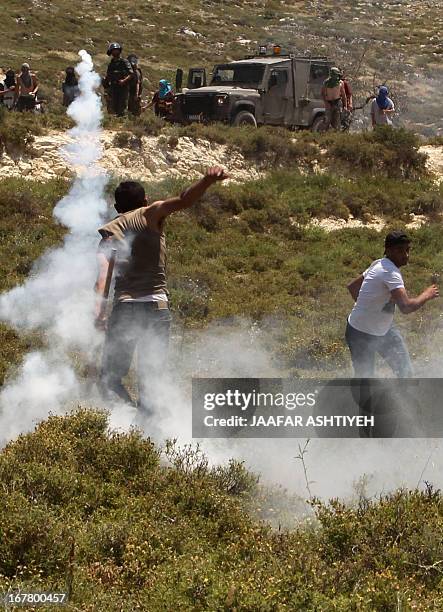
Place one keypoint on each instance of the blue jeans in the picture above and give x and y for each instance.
(136, 326)
(391, 347)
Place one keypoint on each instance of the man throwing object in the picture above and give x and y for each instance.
(140, 316)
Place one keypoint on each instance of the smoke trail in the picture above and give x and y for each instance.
(57, 298)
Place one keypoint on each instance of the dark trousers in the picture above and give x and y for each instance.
(119, 99)
(371, 399)
(136, 326)
(391, 347)
(26, 103)
(134, 105)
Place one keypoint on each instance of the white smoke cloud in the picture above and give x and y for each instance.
(57, 298)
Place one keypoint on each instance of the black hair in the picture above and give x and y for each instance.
(395, 238)
(10, 78)
(129, 195)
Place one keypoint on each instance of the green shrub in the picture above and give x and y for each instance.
(181, 534)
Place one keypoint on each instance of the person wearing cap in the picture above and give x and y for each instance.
(26, 89)
(118, 76)
(377, 292)
(334, 96)
(135, 86)
(382, 108)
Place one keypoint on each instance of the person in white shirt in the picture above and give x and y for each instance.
(370, 328)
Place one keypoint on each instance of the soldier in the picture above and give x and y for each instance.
(135, 86)
(117, 79)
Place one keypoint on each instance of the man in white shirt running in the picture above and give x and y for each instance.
(376, 292)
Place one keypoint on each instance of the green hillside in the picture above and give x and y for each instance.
(247, 250)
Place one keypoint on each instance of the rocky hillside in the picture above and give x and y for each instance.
(397, 41)
(126, 156)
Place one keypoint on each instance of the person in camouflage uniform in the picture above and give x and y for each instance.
(116, 82)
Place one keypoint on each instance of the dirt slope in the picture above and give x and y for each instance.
(145, 159)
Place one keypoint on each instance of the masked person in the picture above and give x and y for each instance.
(382, 108)
(135, 86)
(70, 87)
(26, 89)
(377, 292)
(163, 100)
(117, 80)
(140, 316)
(334, 96)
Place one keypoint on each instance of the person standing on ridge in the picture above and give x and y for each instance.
(140, 316)
(118, 75)
(26, 89)
(370, 328)
(382, 108)
(163, 99)
(135, 86)
(10, 85)
(334, 96)
(70, 86)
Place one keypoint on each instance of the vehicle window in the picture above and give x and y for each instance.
(238, 74)
(318, 74)
(279, 77)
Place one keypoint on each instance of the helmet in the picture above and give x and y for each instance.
(132, 58)
(112, 46)
(335, 70)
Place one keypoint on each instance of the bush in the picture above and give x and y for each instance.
(179, 534)
(391, 152)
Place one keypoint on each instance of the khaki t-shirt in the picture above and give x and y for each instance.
(141, 256)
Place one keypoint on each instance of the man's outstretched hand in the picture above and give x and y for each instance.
(216, 173)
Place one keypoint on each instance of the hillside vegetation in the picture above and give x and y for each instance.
(374, 41)
(122, 525)
(249, 250)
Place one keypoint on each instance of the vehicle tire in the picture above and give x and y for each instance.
(319, 124)
(244, 118)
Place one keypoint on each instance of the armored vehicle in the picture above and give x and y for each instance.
(264, 89)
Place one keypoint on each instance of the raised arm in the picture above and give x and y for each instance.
(407, 304)
(158, 211)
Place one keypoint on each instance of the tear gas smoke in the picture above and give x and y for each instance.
(58, 300)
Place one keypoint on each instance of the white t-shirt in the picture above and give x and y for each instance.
(379, 116)
(373, 312)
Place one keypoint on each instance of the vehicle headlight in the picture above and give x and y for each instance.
(221, 100)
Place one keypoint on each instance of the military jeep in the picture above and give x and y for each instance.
(266, 89)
